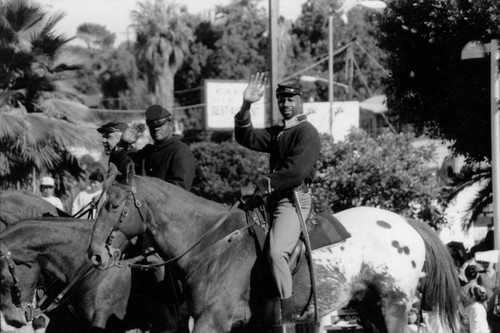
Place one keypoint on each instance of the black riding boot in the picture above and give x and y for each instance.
(287, 325)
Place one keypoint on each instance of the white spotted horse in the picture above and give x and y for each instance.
(214, 251)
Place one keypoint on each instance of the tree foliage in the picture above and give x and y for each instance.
(39, 111)
(386, 171)
(223, 168)
(232, 45)
(310, 34)
(430, 87)
(163, 37)
(95, 36)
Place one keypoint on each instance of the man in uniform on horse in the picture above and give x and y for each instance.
(294, 149)
(171, 160)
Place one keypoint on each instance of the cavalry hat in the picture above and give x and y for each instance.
(47, 181)
(289, 87)
(157, 115)
(113, 126)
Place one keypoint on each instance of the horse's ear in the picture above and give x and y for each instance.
(110, 178)
(130, 173)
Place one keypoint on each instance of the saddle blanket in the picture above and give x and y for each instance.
(328, 231)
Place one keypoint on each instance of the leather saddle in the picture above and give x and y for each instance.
(323, 229)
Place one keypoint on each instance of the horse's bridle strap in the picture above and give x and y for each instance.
(5, 253)
(208, 232)
(57, 301)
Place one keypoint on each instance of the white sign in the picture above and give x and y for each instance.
(345, 116)
(223, 100)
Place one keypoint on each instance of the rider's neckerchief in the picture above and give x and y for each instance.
(294, 121)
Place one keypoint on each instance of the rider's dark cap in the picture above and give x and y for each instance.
(157, 115)
(289, 87)
(113, 126)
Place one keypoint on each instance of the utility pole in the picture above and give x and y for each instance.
(273, 28)
(331, 77)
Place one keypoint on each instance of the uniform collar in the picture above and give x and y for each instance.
(294, 121)
(166, 142)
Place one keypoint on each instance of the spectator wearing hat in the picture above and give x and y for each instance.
(171, 160)
(47, 187)
(111, 134)
(294, 148)
(83, 200)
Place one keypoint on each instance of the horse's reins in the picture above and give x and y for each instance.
(132, 261)
(87, 209)
(58, 300)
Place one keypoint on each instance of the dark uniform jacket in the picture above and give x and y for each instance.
(170, 160)
(294, 149)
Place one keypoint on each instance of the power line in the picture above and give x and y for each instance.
(177, 108)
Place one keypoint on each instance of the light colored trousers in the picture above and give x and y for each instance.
(284, 234)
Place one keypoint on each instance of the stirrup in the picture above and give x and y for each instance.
(284, 328)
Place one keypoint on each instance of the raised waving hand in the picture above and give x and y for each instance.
(255, 89)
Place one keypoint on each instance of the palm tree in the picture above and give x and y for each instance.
(472, 174)
(40, 116)
(163, 37)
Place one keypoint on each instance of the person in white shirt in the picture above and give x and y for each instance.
(47, 187)
(81, 205)
(476, 312)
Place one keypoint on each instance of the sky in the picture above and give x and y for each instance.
(115, 14)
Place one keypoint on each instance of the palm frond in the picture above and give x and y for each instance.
(71, 111)
(23, 15)
(468, 176)
(474, 175)
(11, 125)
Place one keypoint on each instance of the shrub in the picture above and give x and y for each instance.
(223, 168)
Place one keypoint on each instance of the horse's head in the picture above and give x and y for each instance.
(18, 279)
(120, 218)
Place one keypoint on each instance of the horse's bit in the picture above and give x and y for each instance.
(28, 310)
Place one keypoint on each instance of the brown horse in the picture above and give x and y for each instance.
(214, 251)
(53, 249)
(17, 205)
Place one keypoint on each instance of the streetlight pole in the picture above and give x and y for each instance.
(330, 73)
(474, 50)
(495, 138)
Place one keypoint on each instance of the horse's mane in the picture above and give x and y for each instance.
(203, 205)
(48, 225)
(17, 205)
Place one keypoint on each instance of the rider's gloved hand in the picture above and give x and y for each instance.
(264, 185)
(262, 188)
(254, 201)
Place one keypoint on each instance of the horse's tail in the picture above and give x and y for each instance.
(441, 286)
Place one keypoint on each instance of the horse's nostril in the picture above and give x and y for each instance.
(95, 259)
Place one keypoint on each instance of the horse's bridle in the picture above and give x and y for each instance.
(28, 310)
(115, 253)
